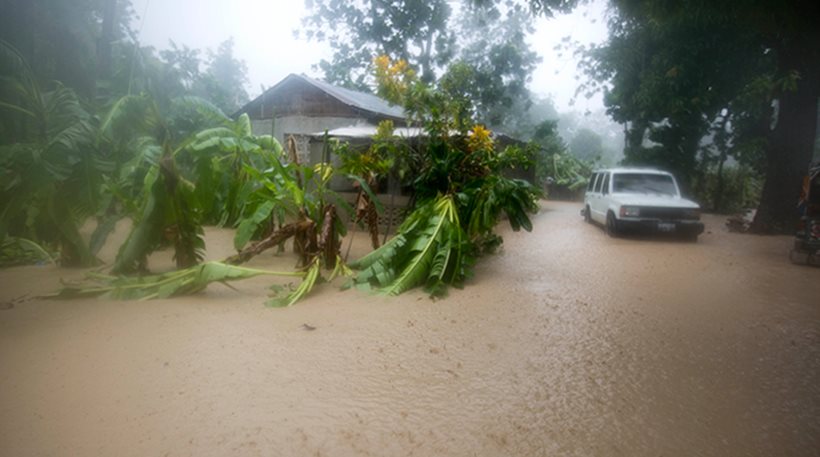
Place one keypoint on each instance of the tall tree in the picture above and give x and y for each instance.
(498, 63)
(490, 63)
(412, 30)
(220, 79)
(224, 79)
(63, 39)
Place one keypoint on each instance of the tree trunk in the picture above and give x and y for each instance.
(276, 238)
(791, 145)
(718, 197)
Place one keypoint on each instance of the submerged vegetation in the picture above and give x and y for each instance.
(460, 196)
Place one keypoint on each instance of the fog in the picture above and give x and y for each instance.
(264, 38)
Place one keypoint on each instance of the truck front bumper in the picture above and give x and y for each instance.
(681, 227)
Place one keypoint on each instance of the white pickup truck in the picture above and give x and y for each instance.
(640, 199)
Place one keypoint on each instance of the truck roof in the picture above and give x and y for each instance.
(653, 171)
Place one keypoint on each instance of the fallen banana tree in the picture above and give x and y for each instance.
(429, 250)
(283, 190)
(180, 282)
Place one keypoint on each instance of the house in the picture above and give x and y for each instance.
(307, 108)
(302, 107)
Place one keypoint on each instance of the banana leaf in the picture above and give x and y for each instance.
(20, 251)
(429, 250)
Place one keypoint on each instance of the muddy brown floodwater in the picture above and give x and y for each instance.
(567, 343)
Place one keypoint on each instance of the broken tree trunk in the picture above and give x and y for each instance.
(276, 238)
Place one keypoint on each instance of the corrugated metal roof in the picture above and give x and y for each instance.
(361, 100)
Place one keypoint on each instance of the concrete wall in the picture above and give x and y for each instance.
(299, 126)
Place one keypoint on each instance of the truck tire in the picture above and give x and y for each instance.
(611, 225)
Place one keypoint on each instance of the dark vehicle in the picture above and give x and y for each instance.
(807, 236)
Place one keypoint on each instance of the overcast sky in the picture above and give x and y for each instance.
(263, 33)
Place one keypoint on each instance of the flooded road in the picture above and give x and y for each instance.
(566, 343)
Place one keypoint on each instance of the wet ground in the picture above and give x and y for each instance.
(566, 343)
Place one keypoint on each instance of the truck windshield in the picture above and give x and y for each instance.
(644, 183)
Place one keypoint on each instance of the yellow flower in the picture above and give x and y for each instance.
(382, 63)
(479, 139)
(394, 79)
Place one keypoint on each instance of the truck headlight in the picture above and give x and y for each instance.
(693, 214)
(630, 211)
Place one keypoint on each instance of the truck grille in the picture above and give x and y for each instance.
(666, 214)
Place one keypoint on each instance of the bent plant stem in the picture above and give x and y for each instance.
(275, 239)
(329, 245)
(311, 275)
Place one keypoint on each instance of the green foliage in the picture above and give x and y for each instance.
(311, 276)
(567, 172)
(729, 190)
(497, 195)
(52, 154)
(20, 251)
(488, 66)
(222, 81)
(65, 39)
(495, 63)
(171, 152)
(427, 250)
(461, 195)
(674, 69)
(289, 191)
(413, 30)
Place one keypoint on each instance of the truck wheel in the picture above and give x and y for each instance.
(611, 225)
(587, 215)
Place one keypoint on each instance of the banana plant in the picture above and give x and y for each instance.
(291, 191)
(223, 159)
(567, 171)
(168, 212)
(51, 171)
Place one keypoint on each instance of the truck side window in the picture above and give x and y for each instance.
(598, 182)
(605, 187)
(591, 183)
